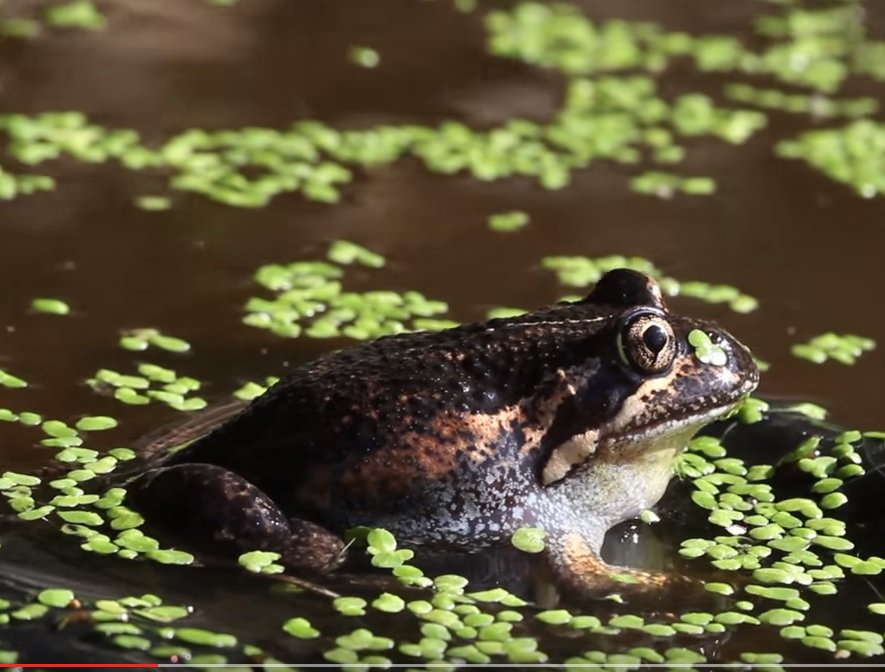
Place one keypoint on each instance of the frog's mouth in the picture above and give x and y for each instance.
(649, 441)
(661, 436)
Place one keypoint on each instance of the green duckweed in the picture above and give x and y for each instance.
(300, 628)
(81, 14)
(142, 338)
(204, 637)
(310, 300)
(153, 203)
(140, 390)
(365, 57)
(529, 539)
(508, 221)
(849, 155)
(261, 562)
(9, 380)
(666, 185)
(843, 348)
(20, 28)
(50, 306)
(389, 603)
(55, 597)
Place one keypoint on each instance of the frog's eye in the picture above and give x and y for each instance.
(647, 343)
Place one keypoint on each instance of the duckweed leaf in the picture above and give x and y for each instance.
(508, 221)
(719, 588)
(153, 203)
(11, 381)
(365, 57)
(129, 396)
(261, 562)
(30, 612)
(136, 540)
(389, 602)
(133, 343)
(81, 517)
(350, 606)
(204, 637)
(56, 597)
(345, 252)
(50, 306)
(15, 478)
(781, 617)
(301, 628)
(75, 14)
(705, 350)
(250, 391)
(503, 312)
(380, 540)
(170, 343)
(529, 539)
(450, 583)
(95, 423)
(665, 185)
(171, 557)
(163, 613)
(133, 642)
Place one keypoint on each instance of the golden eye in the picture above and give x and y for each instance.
(646, 342)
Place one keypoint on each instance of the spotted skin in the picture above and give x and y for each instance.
(461, 437)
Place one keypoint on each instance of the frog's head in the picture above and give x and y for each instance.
(656, 379)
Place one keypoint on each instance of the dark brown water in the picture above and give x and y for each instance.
(809, 249)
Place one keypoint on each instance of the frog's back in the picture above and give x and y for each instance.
(393, 406)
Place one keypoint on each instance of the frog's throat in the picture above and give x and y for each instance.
(616, 490)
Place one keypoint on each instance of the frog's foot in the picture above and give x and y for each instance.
(203, 504)
(578, 570)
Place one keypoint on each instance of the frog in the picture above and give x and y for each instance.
(566, 419)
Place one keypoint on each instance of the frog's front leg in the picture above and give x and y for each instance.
(202, 503)
(579, 569)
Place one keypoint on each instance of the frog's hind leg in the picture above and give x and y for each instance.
(203, 504)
